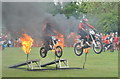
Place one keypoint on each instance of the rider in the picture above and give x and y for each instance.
(48, 32)
(82, 27)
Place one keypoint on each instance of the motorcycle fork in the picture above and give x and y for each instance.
(93, 40)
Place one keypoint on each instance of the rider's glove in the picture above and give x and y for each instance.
(58, 40)
(95, 30)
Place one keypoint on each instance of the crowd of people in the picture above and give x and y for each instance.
(111, 39)
(5, 41)
(107, 39)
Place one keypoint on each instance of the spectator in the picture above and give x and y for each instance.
(116, 42)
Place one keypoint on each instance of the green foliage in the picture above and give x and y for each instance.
(106, 12)
(72, 9)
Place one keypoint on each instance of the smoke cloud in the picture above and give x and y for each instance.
(30, 17)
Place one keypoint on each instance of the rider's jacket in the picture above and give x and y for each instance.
(81, 25)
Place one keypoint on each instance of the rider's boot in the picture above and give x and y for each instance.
(82, 43)
(88, 43)
(47, 48)
(106, 48)
(50, 46)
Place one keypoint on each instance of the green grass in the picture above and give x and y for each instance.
(97, 65)
(0, 64)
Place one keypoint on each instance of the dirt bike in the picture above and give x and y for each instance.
(108, 47)
(95, 43)
(52, 46)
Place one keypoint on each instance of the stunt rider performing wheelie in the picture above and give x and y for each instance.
(88, 38)
(82, 31)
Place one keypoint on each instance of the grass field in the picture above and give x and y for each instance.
(0, 64)
(97, 65)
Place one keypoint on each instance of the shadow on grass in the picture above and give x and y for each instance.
(48, 68)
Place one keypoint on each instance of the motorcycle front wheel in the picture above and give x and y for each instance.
(98, 47)
(58, 51)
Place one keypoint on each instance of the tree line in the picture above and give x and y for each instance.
(106, 13)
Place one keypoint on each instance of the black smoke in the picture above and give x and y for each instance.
(30, 18)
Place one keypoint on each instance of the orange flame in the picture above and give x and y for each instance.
(27, 42)
(60, 37)
(73, 36)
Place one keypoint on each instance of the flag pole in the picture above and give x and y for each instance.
(27, 61)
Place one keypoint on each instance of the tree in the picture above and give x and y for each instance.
(106, 12)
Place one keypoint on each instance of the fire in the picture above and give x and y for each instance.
(60, 43)
(73, 36)
(60, 37)
(27, 42)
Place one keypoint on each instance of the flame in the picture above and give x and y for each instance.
(27, 42)
(60, 37)
(60, 43)
(73, 36)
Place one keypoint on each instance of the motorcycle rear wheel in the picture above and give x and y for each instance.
(78, 50)
(43, 52)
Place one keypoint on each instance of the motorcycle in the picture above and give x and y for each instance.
(52, 46)
(94, 42)
(108, 47)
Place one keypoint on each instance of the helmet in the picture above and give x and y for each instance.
(84, 18)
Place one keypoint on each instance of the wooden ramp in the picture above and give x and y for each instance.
(25, 63)
(38, 62)
(53, 62)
